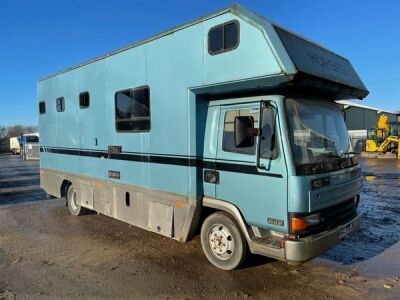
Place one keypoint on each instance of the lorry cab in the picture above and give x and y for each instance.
(285, 163)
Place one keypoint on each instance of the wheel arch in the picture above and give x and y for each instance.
(232, 210)
(64, 189)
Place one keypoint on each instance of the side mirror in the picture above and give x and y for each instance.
(244, 131)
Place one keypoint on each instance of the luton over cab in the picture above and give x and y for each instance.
(226, 124)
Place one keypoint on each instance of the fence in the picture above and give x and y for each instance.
(30, 151)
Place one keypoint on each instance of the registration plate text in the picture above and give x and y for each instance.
(345, 230)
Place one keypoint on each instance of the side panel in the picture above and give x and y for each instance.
(67, 123)
(46, 91)
(93, 133)
(252, 58)
(124, 71)
(164, 213)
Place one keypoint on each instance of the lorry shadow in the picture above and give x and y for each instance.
(380, 227)
(254, 260)
(19, 181)
(17, 197)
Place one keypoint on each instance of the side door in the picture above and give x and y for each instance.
(260, 193)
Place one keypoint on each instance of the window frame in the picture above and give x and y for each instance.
(44, 107)
(276, 151)
(63, 104)
(115, 109)
(80, 95)
(223, 50)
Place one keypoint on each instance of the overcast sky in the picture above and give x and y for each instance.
(41, 37)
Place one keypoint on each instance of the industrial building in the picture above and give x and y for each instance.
(360, 118)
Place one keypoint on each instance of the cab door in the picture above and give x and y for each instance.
(258, 189)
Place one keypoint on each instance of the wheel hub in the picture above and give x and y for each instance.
(221, 241)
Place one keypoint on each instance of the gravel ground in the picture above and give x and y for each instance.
(47, 253)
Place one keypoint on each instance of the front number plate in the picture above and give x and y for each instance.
(345, 230)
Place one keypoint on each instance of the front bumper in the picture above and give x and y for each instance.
(298, 251)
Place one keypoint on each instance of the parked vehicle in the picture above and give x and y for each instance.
(15, 146)
(30, 146)
(24, 143)
(383, 139)
(227, 123)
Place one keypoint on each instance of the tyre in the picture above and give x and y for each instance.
(222, 241)
(73, 206)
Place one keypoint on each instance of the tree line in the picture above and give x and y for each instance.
(7, 132)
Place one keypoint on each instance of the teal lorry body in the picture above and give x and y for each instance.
(160, 169)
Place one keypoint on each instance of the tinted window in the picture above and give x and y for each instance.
(228, 140)
(224, 37)
(231, 35)
(84, 100)
(132, 109)
(60, 104)
(216, 38)
(42, 107)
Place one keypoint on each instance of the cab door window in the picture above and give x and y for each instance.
(228, 140)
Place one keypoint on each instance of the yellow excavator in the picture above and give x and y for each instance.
(382, 139)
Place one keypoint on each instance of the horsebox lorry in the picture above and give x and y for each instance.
(226, 125)
(15, 145)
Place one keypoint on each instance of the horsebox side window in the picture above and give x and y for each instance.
(84, 100)
(60, 104)
(223, 38)
(228, 139)
(132, 109)
(42, 107)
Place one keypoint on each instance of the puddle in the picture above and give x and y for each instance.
(380, 228)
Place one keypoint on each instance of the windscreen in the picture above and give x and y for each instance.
(317, 130)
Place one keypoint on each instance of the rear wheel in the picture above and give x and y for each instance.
(72, 201)
(222, 241)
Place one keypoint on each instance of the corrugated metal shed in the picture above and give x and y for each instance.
(363, 117)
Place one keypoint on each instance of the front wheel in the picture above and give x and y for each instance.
(72, 201)
(222, 241)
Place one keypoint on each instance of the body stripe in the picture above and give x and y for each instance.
(163, 159)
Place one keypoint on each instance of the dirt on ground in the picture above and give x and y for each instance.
(47, 253)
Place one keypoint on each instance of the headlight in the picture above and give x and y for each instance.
(302, 223)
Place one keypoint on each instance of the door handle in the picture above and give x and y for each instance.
(211, 176)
